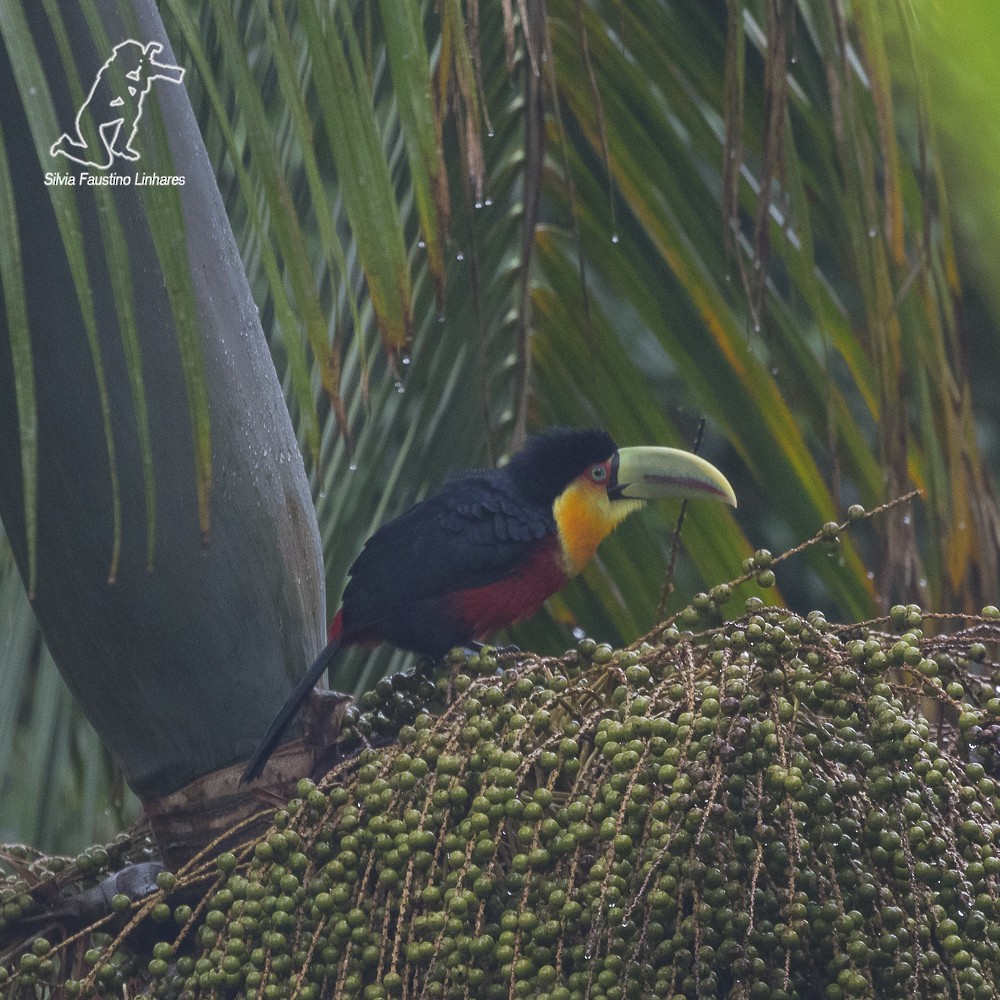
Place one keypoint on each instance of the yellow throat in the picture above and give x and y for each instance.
(584, 518)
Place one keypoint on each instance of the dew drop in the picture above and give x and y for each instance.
(488, 202)
(871, 233)
(441, 317)
(961, 525)
(907, 519)
(579, 633)
(421, 244)
(460, 256)
(321, 495)
(614, 238)
(922, 583)
(400, 388)
(406, 359)
(490, 133)
(774, 371)
(870, 574)
(479, 204)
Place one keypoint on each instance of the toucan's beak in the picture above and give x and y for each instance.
(654, 473)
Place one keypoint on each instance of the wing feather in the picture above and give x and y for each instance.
(476, 531)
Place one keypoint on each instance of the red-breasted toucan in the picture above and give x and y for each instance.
(491, 546)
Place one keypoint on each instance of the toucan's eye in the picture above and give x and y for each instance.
(599, 473)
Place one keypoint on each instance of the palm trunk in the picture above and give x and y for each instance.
(181, 661)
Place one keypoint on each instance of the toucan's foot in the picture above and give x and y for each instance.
(478, 647)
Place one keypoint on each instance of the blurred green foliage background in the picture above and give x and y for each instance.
(462, 222)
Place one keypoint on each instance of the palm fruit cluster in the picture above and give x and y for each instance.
(777, 807)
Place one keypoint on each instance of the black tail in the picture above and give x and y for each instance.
(267, 745)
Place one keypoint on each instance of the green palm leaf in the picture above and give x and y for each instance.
(743, 219)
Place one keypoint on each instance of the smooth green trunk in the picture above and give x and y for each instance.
(179, 664)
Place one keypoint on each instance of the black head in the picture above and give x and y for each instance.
(549, 462)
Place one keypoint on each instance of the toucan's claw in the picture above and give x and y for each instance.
(506, 650)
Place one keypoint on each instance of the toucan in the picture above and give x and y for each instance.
(491, 546)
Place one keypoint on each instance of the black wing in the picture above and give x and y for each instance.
(475, 531)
